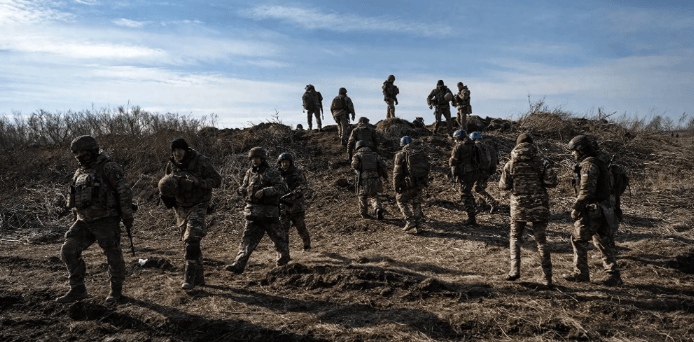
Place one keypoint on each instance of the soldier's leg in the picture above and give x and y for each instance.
(481, 190)
(363, 205)
(309, 118)
(416, 202)
(252, 234)
(347, 129)
(77, 239)
(447, 114)
(437, 117)
(539, 230)
(276, 234)
(390, 108)
(403, 200)
(318, 122)
(299, 220)
(468, 201)
(340, 128)
(286, 223)
(581, 234)
(195, 230)
(515, 240)
(604, 242)
(376, 205)
(107, 234)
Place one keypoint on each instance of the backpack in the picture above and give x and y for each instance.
(618, 184)
(484, 158)
(396, 90)
(369, 162)
(339, 103)
(418, 166)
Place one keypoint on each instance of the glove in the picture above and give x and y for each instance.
(258, 194)
(579, 206)
(396, 101)
(431, 107)
(128, 222)
(575, 215)
(193, 179)
(187, 184)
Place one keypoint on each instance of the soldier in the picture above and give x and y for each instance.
(488, 160)
(292, 203)
(441, 97)
(187, 187)
(465, 172)
(262, 187)
(364, 133)
(462, 101)
(313, 105)
(369, 167)
(100, 196)
(527, 176)
(342, 107)
(390, 93)
(410, 176)
(593, 212)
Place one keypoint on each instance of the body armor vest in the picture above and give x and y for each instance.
(369, 162)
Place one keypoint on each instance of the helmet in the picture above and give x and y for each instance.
(459, 134)
(580, 143)
(391, 78)
(84, 143)
(285, 156)
(310, 86)
(448, 97)
(363, 120)
(342, 91)
(439, 83)
(257, 152)
(460, 84)
(359, 145)
(475, 135)
(168, 186)
(405, 140)
(524, 138)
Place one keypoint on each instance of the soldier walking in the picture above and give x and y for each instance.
(100, 196)
(364, 133)
(390, 93)
(342, 107)
(410, 177)
(462, 101)
(187, 187)
(465, 172)
(292, 203)
(593, 213)
(313, 105)
(528, 176)
(488, 161)
(369, 167)
(262, 187)
(441, 97)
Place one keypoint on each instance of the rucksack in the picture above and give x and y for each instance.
(418, 166)
(618, 184)
(484, 158)
(369, 162)
(308, 101)
(396, 90)
(339, 103)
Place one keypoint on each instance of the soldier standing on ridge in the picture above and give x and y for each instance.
(292, 203)
(593, 212)
(364, 133)
(488, 159)
(187, 187)
(313, 105)
(410, 176)
(462, 101)
(262, 187)
(465, 172)
(527, 176)
(100, 195)
(369, 167)
(342, 107)
(441, 97)
(390, 93)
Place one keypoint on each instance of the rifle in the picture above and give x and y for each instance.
(135, 207)
(356, 187)
(287, 199)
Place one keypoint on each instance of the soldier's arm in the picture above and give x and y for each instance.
(169, 168)
(350, 105)
(210, 177)
(382, 167)
(549, 175)
(301, 185)
(116, 178)
(505, 181)
(277, 185)
(398, 171)
(356, 162)
(588, 183)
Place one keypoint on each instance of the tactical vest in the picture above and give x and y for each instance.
(89, 190)
(369, 162)
(257, 181)
(602, 191)
(418, 166)
(291, 178)
(525, 172)
(309, 102)
(191, 195)
(339, 103)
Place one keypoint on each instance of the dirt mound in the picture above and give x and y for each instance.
(396, 128)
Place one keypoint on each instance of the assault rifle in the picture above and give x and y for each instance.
(135, 207)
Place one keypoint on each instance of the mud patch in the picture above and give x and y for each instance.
(684, 263)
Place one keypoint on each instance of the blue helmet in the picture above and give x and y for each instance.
(405, 140)
(285, 156)
(460, 135)
(475, 135)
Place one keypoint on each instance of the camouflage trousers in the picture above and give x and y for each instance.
(411, 198)
(81, 235)
(299, 221)
(516, 238)
(480, 188)
(446, 112)
(364, 205)
(343, 127)
(254, 232)
(390, 109)
(462, 118)
(586, 228)
(192, 227)
(465, 189)
(309, 117)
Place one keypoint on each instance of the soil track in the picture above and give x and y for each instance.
(364, 280)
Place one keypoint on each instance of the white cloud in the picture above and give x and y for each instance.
(313, 19)
(22, 12)
(129, 23)
(87, 2)
(629, 20)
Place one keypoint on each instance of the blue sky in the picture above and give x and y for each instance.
(246, 60)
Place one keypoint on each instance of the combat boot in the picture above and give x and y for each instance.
(379, 214)
(189, 276)
(613, 280)
(408, 226)
(577, 277)
(234, 268)
(546, 280)
(366, 216)
(199, 275)
(116, 292)
(76, 293)
(471, 220)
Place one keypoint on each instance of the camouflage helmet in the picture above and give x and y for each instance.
(309, 87)
(580, 143)
(342, 91)
(405, 140)
(460, 84)
(285, 156)
(359, 145)
(475, 135)
(459, 135)
(524, 138)
(168, 186)
(439, 83)
(84, 143)
(363, 120)
(448, 97)
(391, 78)
(257, 152)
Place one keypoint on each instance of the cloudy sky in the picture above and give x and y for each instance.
(245, 61)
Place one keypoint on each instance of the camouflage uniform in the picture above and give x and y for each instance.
(369, 184)
(407, 194)
(465, 173)
(312, 102)
(364, 133)
(480, 186)
(100, 195)
(390, 97)
(437, 98)
(191, 206)
(293, 210)
(462, 101)
(527, 176)
(262, 214)
(342, 107)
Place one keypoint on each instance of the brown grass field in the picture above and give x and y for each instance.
(363, 280)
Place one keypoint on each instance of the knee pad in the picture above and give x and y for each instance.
(193, 251)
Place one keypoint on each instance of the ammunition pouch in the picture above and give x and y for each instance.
(254, 212)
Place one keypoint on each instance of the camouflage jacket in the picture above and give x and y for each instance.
(400, 171)
(342, 105)
(462, 100)
(297, 184)
(462, 161)
(527, 176)
(312, 100)
(198, 166)
(369, 180)
(436, 97)
(592, 186)
(101, 190)
(389, 91)
(266, 179)
(366, 134)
